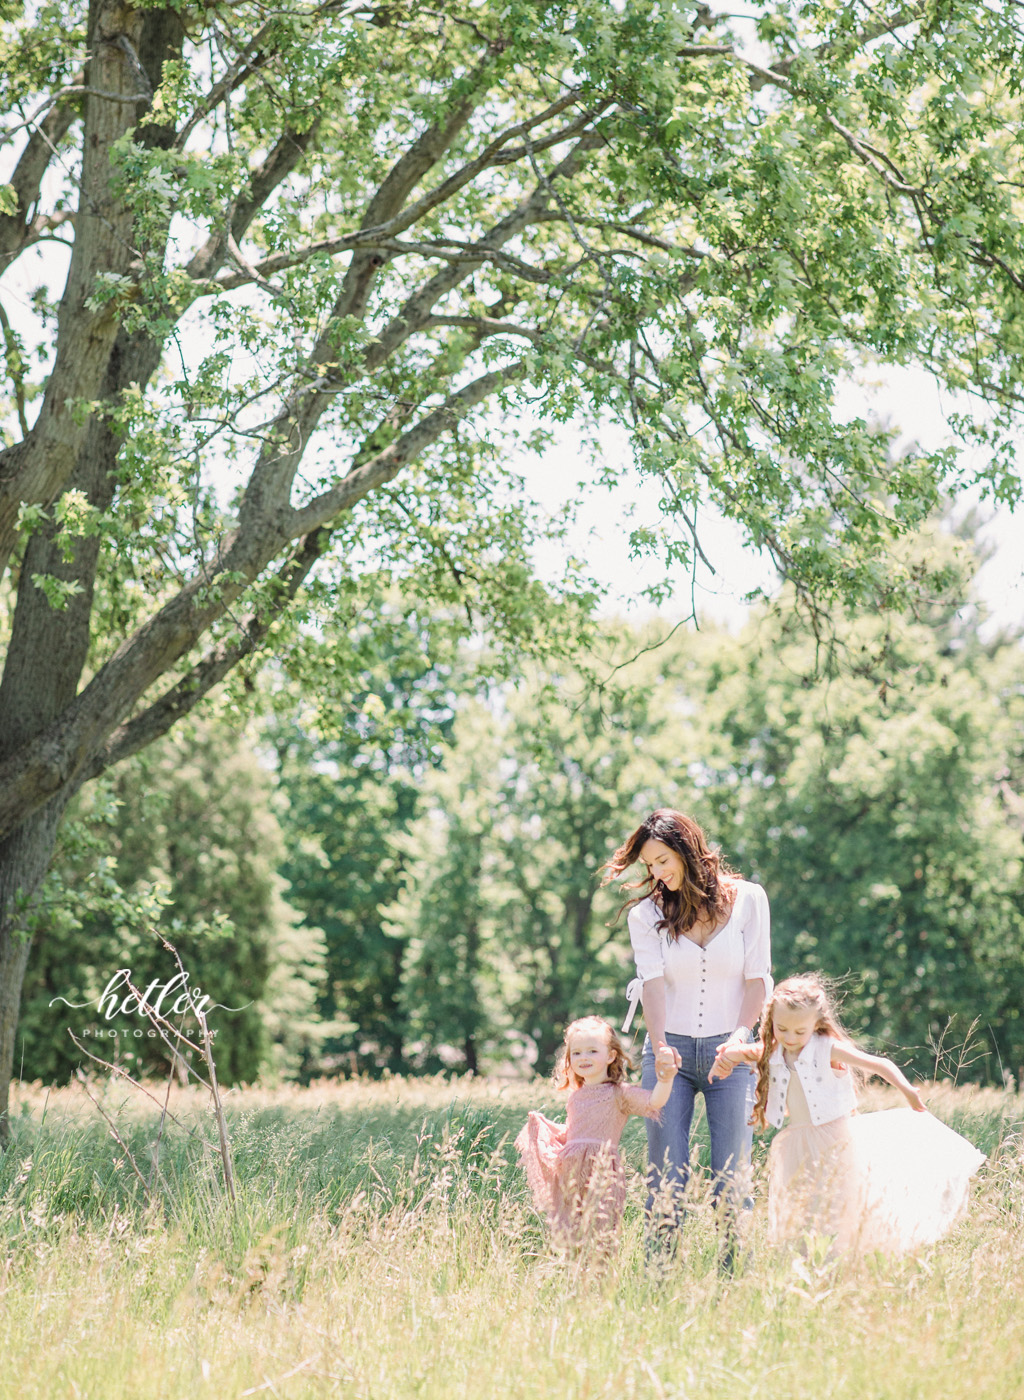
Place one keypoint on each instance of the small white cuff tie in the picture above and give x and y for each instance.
(633, 992)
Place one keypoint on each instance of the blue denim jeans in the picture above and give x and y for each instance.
(728, 1104)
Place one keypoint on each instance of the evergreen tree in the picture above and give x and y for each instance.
(193, 855)
(351, 772)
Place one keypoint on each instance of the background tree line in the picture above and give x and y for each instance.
(411, 881)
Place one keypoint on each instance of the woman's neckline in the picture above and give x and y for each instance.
(706, 943)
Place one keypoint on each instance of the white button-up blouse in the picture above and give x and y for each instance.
(704, 986)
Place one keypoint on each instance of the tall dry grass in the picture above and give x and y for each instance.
(383, 1246)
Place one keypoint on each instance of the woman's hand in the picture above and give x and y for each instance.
(666, 1061)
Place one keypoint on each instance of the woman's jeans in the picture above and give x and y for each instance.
(728, 1104)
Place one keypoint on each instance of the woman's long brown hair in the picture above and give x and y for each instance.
(703, 893)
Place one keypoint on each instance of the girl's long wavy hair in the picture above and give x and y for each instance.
(564, 1075)
(808, 992)
(703, 893)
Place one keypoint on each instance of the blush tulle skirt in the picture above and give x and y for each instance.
(888, 1181)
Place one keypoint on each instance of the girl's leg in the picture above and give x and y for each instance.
(668, 1142)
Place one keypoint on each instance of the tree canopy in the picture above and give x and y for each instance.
(302, 263)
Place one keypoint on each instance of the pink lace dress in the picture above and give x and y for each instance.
(574, 1168)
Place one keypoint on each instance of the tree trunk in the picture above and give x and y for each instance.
(24, 859)
(49, 646)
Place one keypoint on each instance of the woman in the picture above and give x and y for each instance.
(701, 940)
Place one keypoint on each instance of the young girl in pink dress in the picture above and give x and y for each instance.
(885, 1181)
(574, 1168)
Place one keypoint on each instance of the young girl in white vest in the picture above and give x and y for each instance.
(887, 1181)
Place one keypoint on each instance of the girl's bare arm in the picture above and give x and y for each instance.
(730, 1055)
(666, 1062)
(846, 1054)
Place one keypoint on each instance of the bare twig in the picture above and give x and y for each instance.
(83, 1080)
(164, 1114)
(135, 1083)
(222, 1129)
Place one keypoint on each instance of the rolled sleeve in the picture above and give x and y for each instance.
(757, 940)
(648, 953)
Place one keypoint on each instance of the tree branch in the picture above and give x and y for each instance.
(379, 236)
(262, 183)
(494, 154)
(56, 760)
(446, 249)
(770, 75)
(244, 65)
(386, 465)
(159, 717)
(641, 235)
(485, 326)
(396, 188)
(268, 492)
(420, 304)
(762, 77)
(27, 177)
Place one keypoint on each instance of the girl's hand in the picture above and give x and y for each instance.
(730, 1054)
(726, 1061)
(914, 1099)
(847, 1054)
(666, 1062)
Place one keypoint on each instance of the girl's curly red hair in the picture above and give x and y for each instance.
(566, 1078)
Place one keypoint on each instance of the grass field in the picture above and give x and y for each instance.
(382, 1245)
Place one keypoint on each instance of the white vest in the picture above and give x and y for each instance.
(829, 1096)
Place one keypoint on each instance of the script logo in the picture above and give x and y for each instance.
(154, 999)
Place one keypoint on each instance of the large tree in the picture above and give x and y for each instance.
(291, 248)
